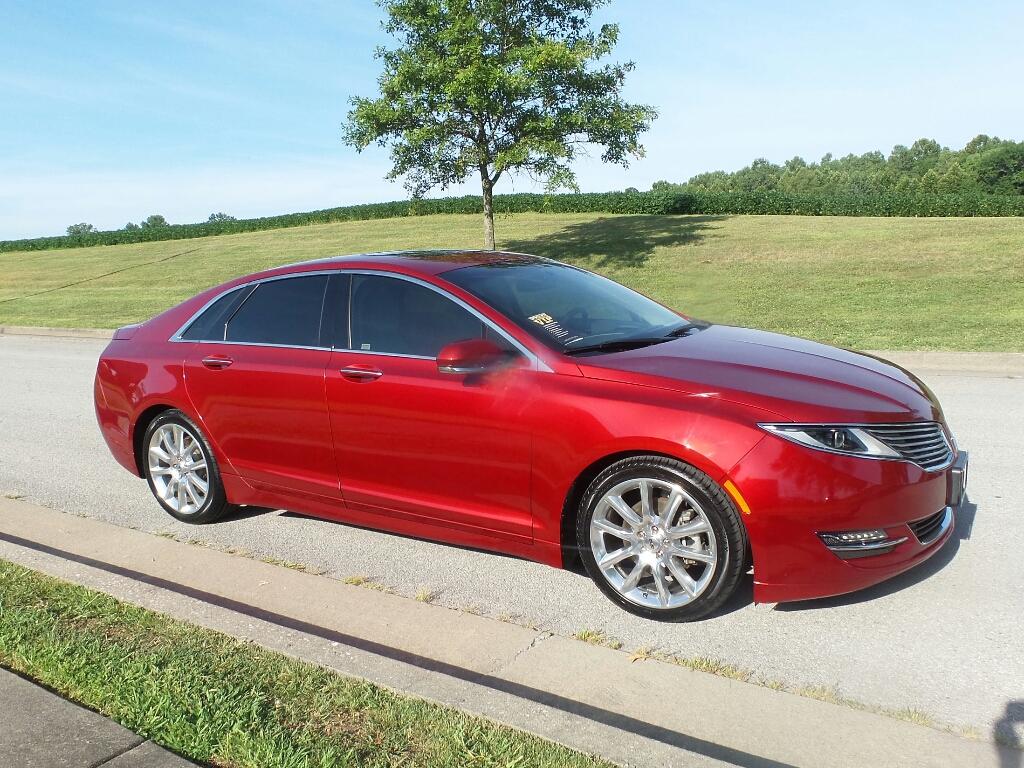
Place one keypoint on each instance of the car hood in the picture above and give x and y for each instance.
(799, 380)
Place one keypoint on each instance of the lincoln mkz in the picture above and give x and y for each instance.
(515, 404)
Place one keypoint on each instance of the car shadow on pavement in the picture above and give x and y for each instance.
(961, 532)
(409, 536)
(242, 513)
(1005, 735)
(616, 241)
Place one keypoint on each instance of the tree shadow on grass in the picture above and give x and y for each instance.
(617, 241)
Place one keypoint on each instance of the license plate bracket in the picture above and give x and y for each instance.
(956, 481)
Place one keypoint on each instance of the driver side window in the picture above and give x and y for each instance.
(395, 316)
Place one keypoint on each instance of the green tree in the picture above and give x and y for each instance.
(130, 226)
(81, 229)
(1001, 169)
(487, 87)
(221, 217)
(156, 220)
(930, 181)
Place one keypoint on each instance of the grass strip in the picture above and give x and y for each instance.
(230, 703)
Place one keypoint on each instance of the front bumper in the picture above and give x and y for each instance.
(795, 493)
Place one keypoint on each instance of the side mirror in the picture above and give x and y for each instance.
(470, 356)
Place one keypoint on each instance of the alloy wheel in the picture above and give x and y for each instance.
(653, 543)
(178, 468)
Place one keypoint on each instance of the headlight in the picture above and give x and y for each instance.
(849, 441)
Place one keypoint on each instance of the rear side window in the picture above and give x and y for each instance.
(285, 312)
(209, 326)
(399, 317)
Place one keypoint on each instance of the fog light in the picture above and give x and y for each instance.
(853, 537)
(851, 544)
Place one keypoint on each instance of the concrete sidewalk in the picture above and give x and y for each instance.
(594, 699)
(39, 729)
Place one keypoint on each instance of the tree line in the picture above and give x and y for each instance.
(155, 221)
(986, 165)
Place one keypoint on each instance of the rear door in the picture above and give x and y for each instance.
(451, 448)
(256, 379)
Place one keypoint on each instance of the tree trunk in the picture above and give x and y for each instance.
(488, 190)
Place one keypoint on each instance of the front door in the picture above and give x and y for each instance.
(257, 382)
(412, 440)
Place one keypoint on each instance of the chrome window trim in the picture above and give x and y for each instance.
(943, 429)
(536, 362)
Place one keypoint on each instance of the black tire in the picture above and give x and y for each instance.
(215, 505)
(729, 534)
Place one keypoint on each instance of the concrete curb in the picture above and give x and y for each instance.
(591, 698)
(63, 333)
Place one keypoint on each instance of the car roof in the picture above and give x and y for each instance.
(429, 262)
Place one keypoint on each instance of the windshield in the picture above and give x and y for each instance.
(569, 309)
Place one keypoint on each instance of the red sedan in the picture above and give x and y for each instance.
(520, 405)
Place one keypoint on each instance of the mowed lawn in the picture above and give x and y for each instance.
(868, 283)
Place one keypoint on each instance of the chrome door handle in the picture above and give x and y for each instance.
(362, 373)
(216, 362)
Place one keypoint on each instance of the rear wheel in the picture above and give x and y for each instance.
(182, 471)
(661, 539)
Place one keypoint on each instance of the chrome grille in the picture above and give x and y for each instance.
(922, 442)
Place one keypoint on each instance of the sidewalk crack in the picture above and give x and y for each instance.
(541, 637)
(116, 755)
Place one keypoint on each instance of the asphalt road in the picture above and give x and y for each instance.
(945, 639)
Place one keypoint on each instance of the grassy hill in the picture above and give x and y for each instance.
(881, 283)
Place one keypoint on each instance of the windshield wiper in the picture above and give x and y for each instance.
(619, 345)
(680, 330)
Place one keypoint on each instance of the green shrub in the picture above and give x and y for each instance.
(655, 202)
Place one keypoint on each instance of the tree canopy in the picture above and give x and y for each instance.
(487, 87)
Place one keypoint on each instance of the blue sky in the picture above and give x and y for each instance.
(111, 111)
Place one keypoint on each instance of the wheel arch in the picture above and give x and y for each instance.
(142, 423)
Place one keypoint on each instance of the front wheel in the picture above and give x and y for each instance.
(661, 539)
(182, 471)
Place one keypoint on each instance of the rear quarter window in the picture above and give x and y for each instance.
(209, 326)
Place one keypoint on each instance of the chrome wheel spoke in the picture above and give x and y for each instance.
(625, 511)
(664, 596)
(688, 553)
(683, 579)
(692, 528)
(610, 528)
(200, 485)
(646, 504)
(675, 501)
(633, 579)
(616, 557)
(190, 491)
(160, 454)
